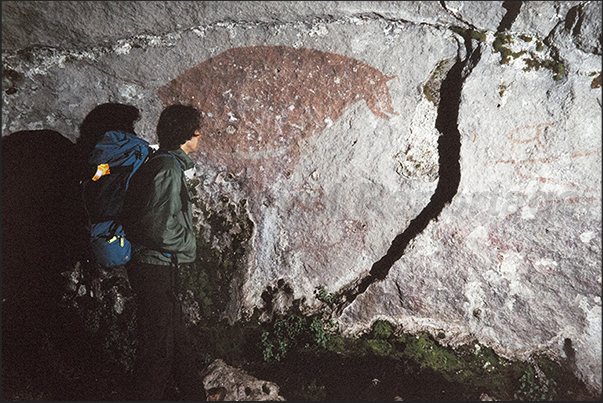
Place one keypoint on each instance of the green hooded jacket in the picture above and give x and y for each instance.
(157, 210)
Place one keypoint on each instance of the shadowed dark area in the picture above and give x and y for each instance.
(37, 181)
(332, 377)
(574, 18)
(57, 338)
(513, 8)
(38, 243)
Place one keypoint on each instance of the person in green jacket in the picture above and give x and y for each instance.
(158, 222)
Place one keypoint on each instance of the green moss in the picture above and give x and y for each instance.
(430, 95)
(428, 353)
(535, 63)
(499, 45)
(431, 89)
(553, 65)
(478, 35)
(338, 344)
(514, 55)
(532, 389)
(458, 30)
(469, 33)
(382, 329)
(504, 53)
(500, 40)
(293, 332)
(474, 366)
(380, 347)
(531, 64)
(329, 298)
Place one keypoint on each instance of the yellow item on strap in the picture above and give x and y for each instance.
(115, 238)
(102, 169)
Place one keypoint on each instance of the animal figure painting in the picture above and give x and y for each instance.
(257, 103)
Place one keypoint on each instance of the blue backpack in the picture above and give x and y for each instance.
(103, 195)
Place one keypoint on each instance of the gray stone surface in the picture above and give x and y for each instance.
(513, 259)
(239, 385)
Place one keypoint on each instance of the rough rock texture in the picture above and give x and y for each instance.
(239, 385)
(471, 207)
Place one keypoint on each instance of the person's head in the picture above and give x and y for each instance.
(178, 128)
(103, 118)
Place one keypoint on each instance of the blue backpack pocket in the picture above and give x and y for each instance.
(109, 244)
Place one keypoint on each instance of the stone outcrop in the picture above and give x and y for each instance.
(239, 385)
(437, 164)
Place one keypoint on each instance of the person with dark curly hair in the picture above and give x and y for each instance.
(158, 221)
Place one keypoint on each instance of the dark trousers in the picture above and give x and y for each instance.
(164, 346)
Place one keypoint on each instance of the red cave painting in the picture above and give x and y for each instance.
(257, 102)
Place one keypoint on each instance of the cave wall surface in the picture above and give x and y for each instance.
(438, 164)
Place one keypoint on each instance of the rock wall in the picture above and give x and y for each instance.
(434, 164)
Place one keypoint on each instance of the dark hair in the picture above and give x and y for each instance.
(104, 118)
(177, 124)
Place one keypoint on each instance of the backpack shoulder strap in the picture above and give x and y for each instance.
(166, 154)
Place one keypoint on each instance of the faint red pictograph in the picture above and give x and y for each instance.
(527, 169)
